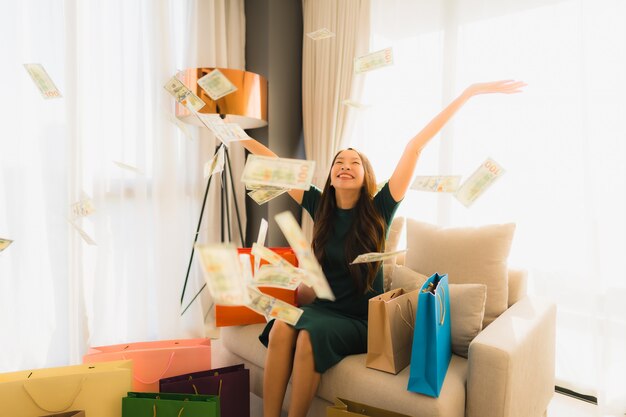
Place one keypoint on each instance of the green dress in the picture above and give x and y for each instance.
(339, 328)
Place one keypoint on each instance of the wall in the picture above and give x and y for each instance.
(274, 50)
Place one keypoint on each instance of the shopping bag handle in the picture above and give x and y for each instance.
(442, 305)
(219, 389)
(143, 381)
(411, 314)
(154, 413)
(64, 408)
(440, 295)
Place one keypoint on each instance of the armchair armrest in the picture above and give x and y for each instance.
(511, 362)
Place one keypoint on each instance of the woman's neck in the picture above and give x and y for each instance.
(346, 199)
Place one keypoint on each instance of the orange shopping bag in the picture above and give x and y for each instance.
(240, 315)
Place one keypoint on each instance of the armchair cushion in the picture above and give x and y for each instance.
(469, 255)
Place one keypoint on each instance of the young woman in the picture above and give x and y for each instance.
(350, 219)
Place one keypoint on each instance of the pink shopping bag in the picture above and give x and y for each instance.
(153, 361)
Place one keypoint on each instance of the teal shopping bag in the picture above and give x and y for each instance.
(431, 351)
(148, 404)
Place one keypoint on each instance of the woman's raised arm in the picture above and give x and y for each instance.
(402, 175)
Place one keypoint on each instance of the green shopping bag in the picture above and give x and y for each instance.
(148, 404)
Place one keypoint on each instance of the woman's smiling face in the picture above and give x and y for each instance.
(347, 170)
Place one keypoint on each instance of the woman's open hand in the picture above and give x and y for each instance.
(504, 87)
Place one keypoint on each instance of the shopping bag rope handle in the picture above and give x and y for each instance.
(442, 305)
(72, 399)
(411, 314)
(440, 295)
(155, 415)
(169, 363)
(219, 390)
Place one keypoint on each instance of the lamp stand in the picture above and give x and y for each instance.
(227, 175)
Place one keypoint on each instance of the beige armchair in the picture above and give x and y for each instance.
(509, 371)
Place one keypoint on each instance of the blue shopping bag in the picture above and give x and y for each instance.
(431, 351)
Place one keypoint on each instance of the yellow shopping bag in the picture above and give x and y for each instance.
(347, 408)
(95, 388)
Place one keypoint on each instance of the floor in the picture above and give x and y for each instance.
(561, 406)
(564, 406)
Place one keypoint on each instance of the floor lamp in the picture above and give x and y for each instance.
(246, 106)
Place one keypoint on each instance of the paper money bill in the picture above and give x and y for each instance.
(373, 60)
(375, 256)
(322, 33)
(261, 252)
(271, 307)
(183, 95)
(4, 243)
(306, 259)
(216, 84)
(278, 172)
(259, 302)
(262, 196)
(216, 164)
(246, 268)
(486, 174)
(88, 240)
(43, 81)
(260, 240)
(182, 126)
(276, 276)
(438, 183)
(229, 132)
(355, 104)
(209, 120)
(252, 187)
(82, 208)
(223, 274)
(128, 167)
(285, 312)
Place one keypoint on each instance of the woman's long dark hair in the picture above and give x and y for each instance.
(367, 233)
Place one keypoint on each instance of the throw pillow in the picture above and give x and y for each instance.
(469, 255)
(467, 306)
(467, 310)
(406, 278)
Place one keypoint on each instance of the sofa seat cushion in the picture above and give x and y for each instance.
(244, 341)
(351, 379)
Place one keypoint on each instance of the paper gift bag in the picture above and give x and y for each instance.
(79, 413)
(231, 384)
(347, 408)
(155, 360)
(240, 315)
(149, 404)
(432, 347)
(96, 389)
(391, 317)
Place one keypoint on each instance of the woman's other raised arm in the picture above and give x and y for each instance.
(403, 173)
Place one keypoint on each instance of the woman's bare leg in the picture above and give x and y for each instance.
(305, 379)
(278, 364)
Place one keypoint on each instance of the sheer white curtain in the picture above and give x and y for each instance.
(328, 79)
(110, 60)
(562, 143)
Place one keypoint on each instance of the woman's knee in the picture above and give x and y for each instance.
(282, 335)
(303, 344)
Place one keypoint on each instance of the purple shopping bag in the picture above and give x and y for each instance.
(231, 384)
